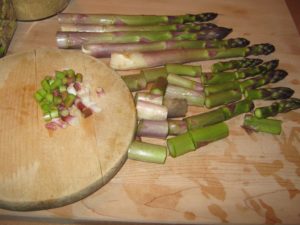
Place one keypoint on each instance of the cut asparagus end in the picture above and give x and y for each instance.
(144, 96)
(153, 128)
(147, 152)
(176, 107)
(180, 145)
(272, 126)
(205, 135)
(177, 127)
(150, 111)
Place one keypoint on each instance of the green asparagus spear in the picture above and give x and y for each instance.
(177, 127)
(101, 50)
(282, 106)
(147, 152)
(153, 74)
(237, 108)
(235, 64)
(222, 98)
(186, 70)
(138, 60)
(214, 78)
(272, 126)
(107, 19)
(269, 93)
(184, 82)
(76, 39)
(272, 76)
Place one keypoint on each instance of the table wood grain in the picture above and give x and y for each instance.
(240, 180)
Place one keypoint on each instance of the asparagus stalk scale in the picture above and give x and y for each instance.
(101, 50)
(269, 93)
(235, 64)
(275, 108)
(138, 60)
(106, 19)
(76, 39)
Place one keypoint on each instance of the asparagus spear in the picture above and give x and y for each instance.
(101, 50)
(282, 106)
(235, 64)
(185, 70)
(137, 60)
(213, 78)
(196, 26)
(272, 76)
(192, 97)
(220, 114)
(76, 39)
(184, 82)
(180, 144)
(147, 152)
(222, 98)
(272, 126)
(269, 93)
(107, 19)
(153, 74)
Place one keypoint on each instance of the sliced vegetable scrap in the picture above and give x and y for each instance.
(61, 97)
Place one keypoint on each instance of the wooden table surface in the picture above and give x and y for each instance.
(242, 179)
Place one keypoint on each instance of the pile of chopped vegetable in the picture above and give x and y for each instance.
(63, 97)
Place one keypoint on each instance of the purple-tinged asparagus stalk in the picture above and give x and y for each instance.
(159, 86)
(151, 111)
(177, 127)
(184, 82)
(135, 82)
(253, 124)
(148, 97)
(176, 107)
(138, 60)
(76, 39)
(196, 26)
(153, 128)
(102, 50)
(235, 64)
(147, 152)
(192, 97)
(114, 19)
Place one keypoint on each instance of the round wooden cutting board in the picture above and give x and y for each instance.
(42, 169)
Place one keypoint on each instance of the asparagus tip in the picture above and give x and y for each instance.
(206, 16)
(238, 42)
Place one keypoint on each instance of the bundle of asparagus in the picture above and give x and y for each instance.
(159, 46)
